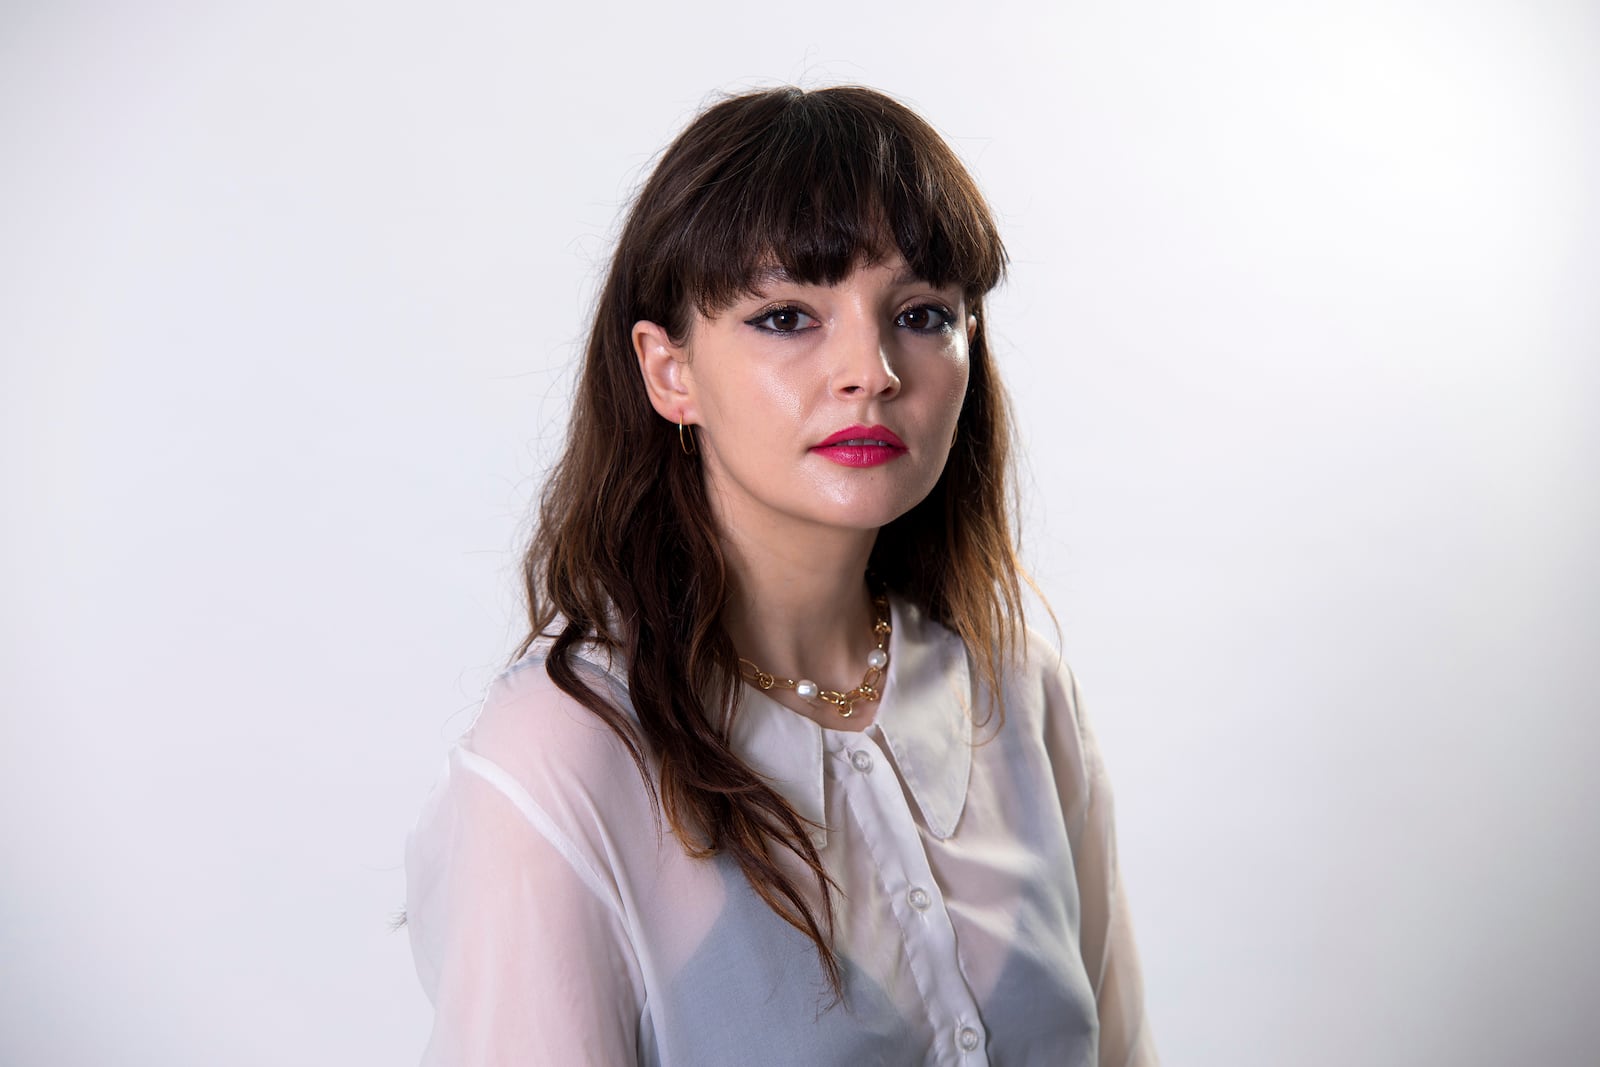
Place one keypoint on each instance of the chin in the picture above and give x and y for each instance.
(872, 514)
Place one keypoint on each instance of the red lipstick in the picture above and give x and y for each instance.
(861, 446)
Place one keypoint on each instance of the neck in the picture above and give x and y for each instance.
(803, 610)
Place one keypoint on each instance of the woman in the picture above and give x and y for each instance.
(778, 776)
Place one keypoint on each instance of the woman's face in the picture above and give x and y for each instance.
(819, 405)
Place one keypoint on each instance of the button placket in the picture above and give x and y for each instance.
(894, 840)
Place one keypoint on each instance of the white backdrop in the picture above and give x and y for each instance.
(1303, 333)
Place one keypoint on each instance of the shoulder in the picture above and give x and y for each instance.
(553, 759)
(1042, 705)
(529, 838)
(1035, 685)
(1038, 690)
(1040, 661)
(1064, 726)
(1045, 668)
(524, 708)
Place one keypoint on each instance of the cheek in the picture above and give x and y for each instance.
(959, 374)
(781, 392)
(752, 401)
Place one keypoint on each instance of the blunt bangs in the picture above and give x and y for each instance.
(817, 183)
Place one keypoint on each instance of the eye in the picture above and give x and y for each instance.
(784, 319)
(925, 318)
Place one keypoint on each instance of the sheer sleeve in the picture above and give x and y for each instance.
(517, 926)
(1106, 929)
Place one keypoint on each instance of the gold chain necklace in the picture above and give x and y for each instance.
(877, 662)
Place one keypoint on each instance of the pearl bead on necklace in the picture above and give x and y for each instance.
(805, 688)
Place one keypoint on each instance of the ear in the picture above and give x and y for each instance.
(972, 327)
(664, 367)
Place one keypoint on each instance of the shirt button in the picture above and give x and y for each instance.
(919, 898)
(967, 1038)
(861, 760)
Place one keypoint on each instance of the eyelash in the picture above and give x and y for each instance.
(946, 319)
(778, 309)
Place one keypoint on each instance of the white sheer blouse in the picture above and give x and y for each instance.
(980, 918)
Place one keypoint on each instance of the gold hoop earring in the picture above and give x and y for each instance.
(686, 442)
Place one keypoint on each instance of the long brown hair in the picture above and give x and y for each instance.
(625, 556)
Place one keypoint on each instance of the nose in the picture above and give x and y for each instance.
(865, 366)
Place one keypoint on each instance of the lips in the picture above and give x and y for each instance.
(862, 446)
(863, 437)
